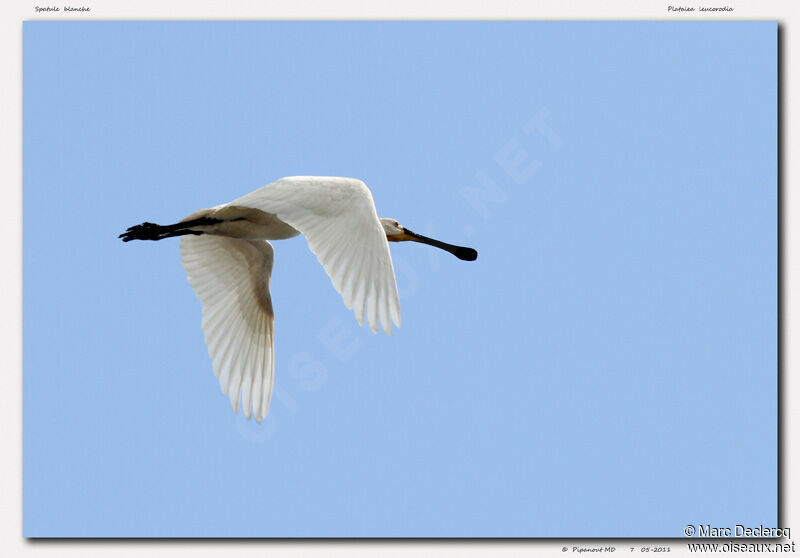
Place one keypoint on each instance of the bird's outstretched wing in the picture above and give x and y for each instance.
(338, 218)
(231, 278)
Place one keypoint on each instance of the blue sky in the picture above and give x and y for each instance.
(606, 368)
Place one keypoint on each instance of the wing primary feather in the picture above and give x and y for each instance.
(363, 267)
(235, 383)
(337, 266)
(219, 318)
(246, 365)
(226, 352)
(267, 392)
(373, 309)
(384, 313)
(259, 373)
(396, 316)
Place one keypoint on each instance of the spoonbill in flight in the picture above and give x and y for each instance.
(228, 262)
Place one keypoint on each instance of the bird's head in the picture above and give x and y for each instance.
(395, 232)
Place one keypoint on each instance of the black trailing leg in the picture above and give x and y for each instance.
(152, 231)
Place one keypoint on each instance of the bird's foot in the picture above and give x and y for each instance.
(151, 231)
(145, 231)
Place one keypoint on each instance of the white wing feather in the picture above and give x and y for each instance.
(231, 278)
(338, 218)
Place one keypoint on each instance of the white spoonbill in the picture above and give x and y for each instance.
(228, 262)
